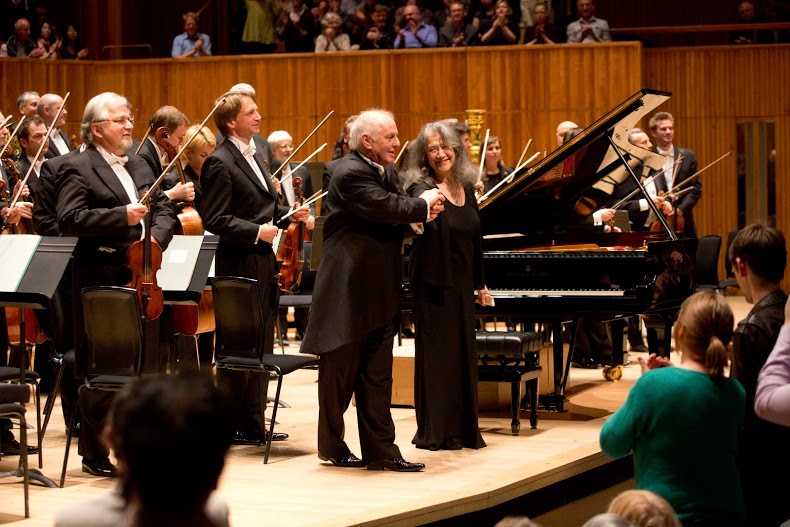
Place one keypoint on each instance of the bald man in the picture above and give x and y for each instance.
(562, 128)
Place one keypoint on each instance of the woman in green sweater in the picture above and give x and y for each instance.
(681, 423)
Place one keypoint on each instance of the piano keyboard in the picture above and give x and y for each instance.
(557, 292)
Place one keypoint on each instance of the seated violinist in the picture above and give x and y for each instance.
(98, 202)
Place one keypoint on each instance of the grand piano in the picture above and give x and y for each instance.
(545, 263)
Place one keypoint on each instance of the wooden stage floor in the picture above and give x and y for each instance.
(296, 489)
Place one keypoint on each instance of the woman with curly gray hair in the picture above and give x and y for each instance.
(446, 270)
(332, 37)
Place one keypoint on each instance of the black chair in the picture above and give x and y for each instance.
(61, 358)
(240, 338)
(10, 375)
(12, 405)
(730, 280)
(706, 268)
(113, 344)
(296, 301)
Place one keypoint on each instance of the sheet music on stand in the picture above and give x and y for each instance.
(15, 255)
(186, 265)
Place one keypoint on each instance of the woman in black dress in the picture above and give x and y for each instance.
(446, 270)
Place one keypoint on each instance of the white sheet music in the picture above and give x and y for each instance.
(16, 251)
(178, 262)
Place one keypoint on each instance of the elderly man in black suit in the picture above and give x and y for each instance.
(662, 128)
(47, 108)
(98, 192)
(352, 328)
(240, 206)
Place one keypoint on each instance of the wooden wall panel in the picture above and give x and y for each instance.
(526, 92)
(715, 89)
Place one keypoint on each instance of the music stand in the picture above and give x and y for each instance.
(35, 265)
(185, 268)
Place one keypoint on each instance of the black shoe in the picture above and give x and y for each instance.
(12, 447)
(277, 436)
(453, 444)
(347, 461)
(243, 438)
(76, 431)
(641, 348)
(284, 340)
(103, 468)
(586, 362)
(396, 464)
(408, 333)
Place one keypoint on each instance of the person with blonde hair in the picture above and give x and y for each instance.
(644, 508)
(682, 423)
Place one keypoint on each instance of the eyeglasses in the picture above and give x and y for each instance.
(118, 120)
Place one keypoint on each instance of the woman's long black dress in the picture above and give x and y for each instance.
(446, 269)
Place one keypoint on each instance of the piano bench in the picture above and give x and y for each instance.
(512, 357)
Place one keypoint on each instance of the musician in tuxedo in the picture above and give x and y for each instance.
(639, 212)
(31, 135)
(357, 296)
(282, 147)
(98, 201)
(662, 128)
(47, 108)
(240, 206)
(261, 144)
(176, 123)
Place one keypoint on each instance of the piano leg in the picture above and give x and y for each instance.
(557, 401)
(659, 337)
(618, 352)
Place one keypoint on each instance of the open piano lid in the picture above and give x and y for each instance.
(575, 179)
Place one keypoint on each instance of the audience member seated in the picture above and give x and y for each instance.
(644, 508)
(516, 521)
(70, 48)
(413, 32)
(381, 33)
(20, 45)
(190, 43)
(772, 401)
(502, 29)
(682, 422)
(542, 31)
(588, 28)
(484, 13)
(48, 40)
(357, 23)
(332, 38)
(176, 423)
(456, 32)
(759, 256)
(748, 15)
(297, 28)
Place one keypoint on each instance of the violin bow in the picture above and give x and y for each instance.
(483, 156)
(5, 121)
(524, 153)
(696, 174)
(645, 183)
(11, 137)
(402, 149)
(172, 163)
(507, 179)
(140, 146)
(308, 158)
(274, 174)
(38, 154)
(306, 204)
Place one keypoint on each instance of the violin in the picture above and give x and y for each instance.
(675, 221)
(290, 252)
(25, 225)
(189, 221)
(144, 259)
